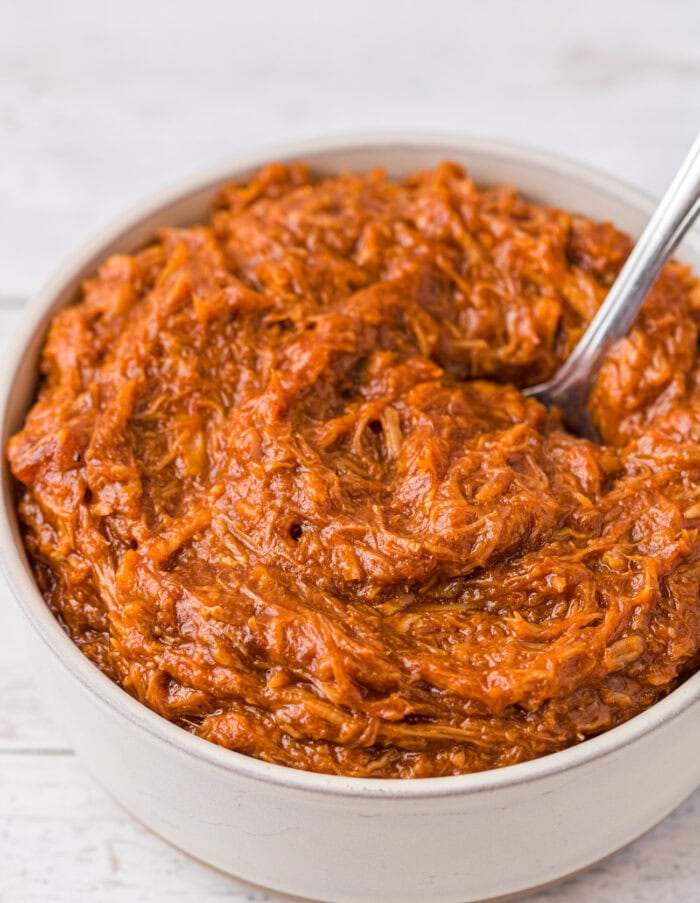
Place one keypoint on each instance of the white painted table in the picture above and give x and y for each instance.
(103, 103)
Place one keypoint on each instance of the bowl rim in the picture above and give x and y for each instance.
(14, 564)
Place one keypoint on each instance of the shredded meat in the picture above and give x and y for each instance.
(281, 485)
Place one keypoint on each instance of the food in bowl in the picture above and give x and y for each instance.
(281, 485)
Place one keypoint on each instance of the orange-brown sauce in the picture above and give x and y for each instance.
(281, 485)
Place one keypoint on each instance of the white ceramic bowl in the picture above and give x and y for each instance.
(349, 839)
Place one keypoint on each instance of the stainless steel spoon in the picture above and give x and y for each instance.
(570, 386)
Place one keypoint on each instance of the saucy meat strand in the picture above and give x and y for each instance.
(280, 484)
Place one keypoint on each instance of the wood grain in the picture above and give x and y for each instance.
(102, 106)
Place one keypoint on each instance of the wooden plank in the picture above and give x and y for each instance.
(101, 110)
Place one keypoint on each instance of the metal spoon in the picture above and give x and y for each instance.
(570, 386)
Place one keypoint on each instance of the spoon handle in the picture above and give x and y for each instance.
(570, 386)
(672, 218)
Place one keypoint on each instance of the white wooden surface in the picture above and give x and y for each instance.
(103, 103)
